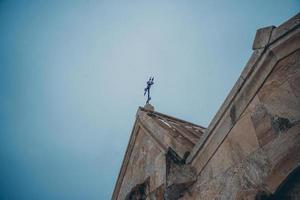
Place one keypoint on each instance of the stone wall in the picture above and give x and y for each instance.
(253, 144)
(263, 147)
(147, 164)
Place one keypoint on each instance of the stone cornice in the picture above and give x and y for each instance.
(270, 47)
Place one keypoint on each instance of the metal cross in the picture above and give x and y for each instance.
(147, 89)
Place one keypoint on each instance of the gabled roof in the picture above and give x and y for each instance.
(166, 131)
(176, 128)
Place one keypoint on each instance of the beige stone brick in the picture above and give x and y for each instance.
(262, 37)
(280, 100)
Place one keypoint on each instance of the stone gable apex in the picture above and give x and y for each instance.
(166, 132)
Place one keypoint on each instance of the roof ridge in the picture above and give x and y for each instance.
(171, 117)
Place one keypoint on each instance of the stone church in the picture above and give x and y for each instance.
(251, 148)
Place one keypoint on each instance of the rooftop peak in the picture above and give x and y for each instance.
(148, 106)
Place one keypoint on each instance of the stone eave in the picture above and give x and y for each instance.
(157, 129)
(269, 48)
(173, 118)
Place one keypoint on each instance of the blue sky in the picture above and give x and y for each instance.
(72, 75)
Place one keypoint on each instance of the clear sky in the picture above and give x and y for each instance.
(72, 75)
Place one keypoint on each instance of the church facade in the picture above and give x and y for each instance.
(251, 148)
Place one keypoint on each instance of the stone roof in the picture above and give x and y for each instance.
(186, 132)
(169, 133)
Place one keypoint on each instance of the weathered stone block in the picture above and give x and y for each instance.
(277, 94)
(262, 37)
(243, 137)
(263, 125)
(240, 142)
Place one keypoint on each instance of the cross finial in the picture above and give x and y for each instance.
(147, 89)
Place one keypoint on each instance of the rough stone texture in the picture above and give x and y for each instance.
(263, 147)
(158, 193)
(277, 94)
(154, 163)
(179, 176)
(145, 153)
(251, 149)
